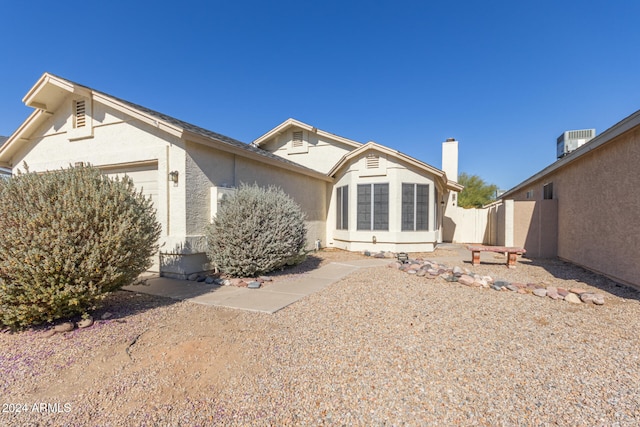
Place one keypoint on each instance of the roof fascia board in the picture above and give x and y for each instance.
(10, 146)
(394, 153)
(223, 146)
(139, 115)
(608, 135)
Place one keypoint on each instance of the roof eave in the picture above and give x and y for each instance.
(11, 145)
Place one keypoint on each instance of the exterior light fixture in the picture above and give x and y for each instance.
(173, 177)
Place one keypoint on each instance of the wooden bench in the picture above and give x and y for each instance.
(512, 253)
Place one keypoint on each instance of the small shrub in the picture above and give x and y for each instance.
(257, 230)
(67, 238)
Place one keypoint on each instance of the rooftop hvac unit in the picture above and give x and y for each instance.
(572, 139)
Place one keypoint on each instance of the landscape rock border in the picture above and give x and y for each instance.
(433, 270)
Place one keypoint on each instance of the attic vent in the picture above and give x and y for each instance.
(79, 112)
(372, 161)
(297, 139)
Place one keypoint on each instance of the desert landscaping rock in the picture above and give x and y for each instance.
(572, 298)
(210, 280)
(254, 285)
(466, 277)
(588, 297)
(64, 327)
(540, 292)
(85, 323)
(466, 280)
(193, 277)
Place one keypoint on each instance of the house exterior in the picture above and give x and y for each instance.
(380, 199)
(584, 207)
(355, 196)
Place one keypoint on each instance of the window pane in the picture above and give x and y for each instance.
(407, 207)
(364, 207)
(422, 207)
(345, 207)
(339, 208)
(381, 207)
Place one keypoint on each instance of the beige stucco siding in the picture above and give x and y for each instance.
(114, 141)
(598, 205)
(208, 167)
(317, 152)
(597, 208)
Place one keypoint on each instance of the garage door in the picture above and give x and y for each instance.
(145, 178)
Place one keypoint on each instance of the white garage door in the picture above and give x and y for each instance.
(145, 178)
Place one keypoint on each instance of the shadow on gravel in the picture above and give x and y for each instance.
(122, 304)
(568, 271)
(311, 263)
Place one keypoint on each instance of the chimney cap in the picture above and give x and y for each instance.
(450, 139)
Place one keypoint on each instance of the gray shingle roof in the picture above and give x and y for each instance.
(196, 129)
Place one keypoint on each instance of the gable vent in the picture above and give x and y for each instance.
(372, 161)
(297, 139)
(79, 112)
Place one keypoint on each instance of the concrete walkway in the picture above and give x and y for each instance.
(268, 299)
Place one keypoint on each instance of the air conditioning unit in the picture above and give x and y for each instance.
(572, 139)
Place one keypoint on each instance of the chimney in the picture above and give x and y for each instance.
(450, 159)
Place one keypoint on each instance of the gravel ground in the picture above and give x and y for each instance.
(380, 347)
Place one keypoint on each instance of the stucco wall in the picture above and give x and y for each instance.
(115, 140)
(598, 205)
(319, 153)
(207, 167)
(536, 227)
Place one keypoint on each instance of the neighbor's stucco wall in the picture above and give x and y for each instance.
(597, 208)
(395, 173)
(318, 152)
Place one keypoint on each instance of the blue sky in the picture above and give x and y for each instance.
(505, 78)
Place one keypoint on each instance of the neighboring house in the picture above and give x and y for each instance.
(4, 172)
(584, 207)
(355, 196)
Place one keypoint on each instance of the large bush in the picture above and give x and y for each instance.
(257, 230)
(67, 238)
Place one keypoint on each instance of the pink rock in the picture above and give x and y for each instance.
(597, 299)
(577, 291)
(466, 280)
(563, 292)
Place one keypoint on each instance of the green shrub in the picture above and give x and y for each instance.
(67, 238)
(257, 230)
